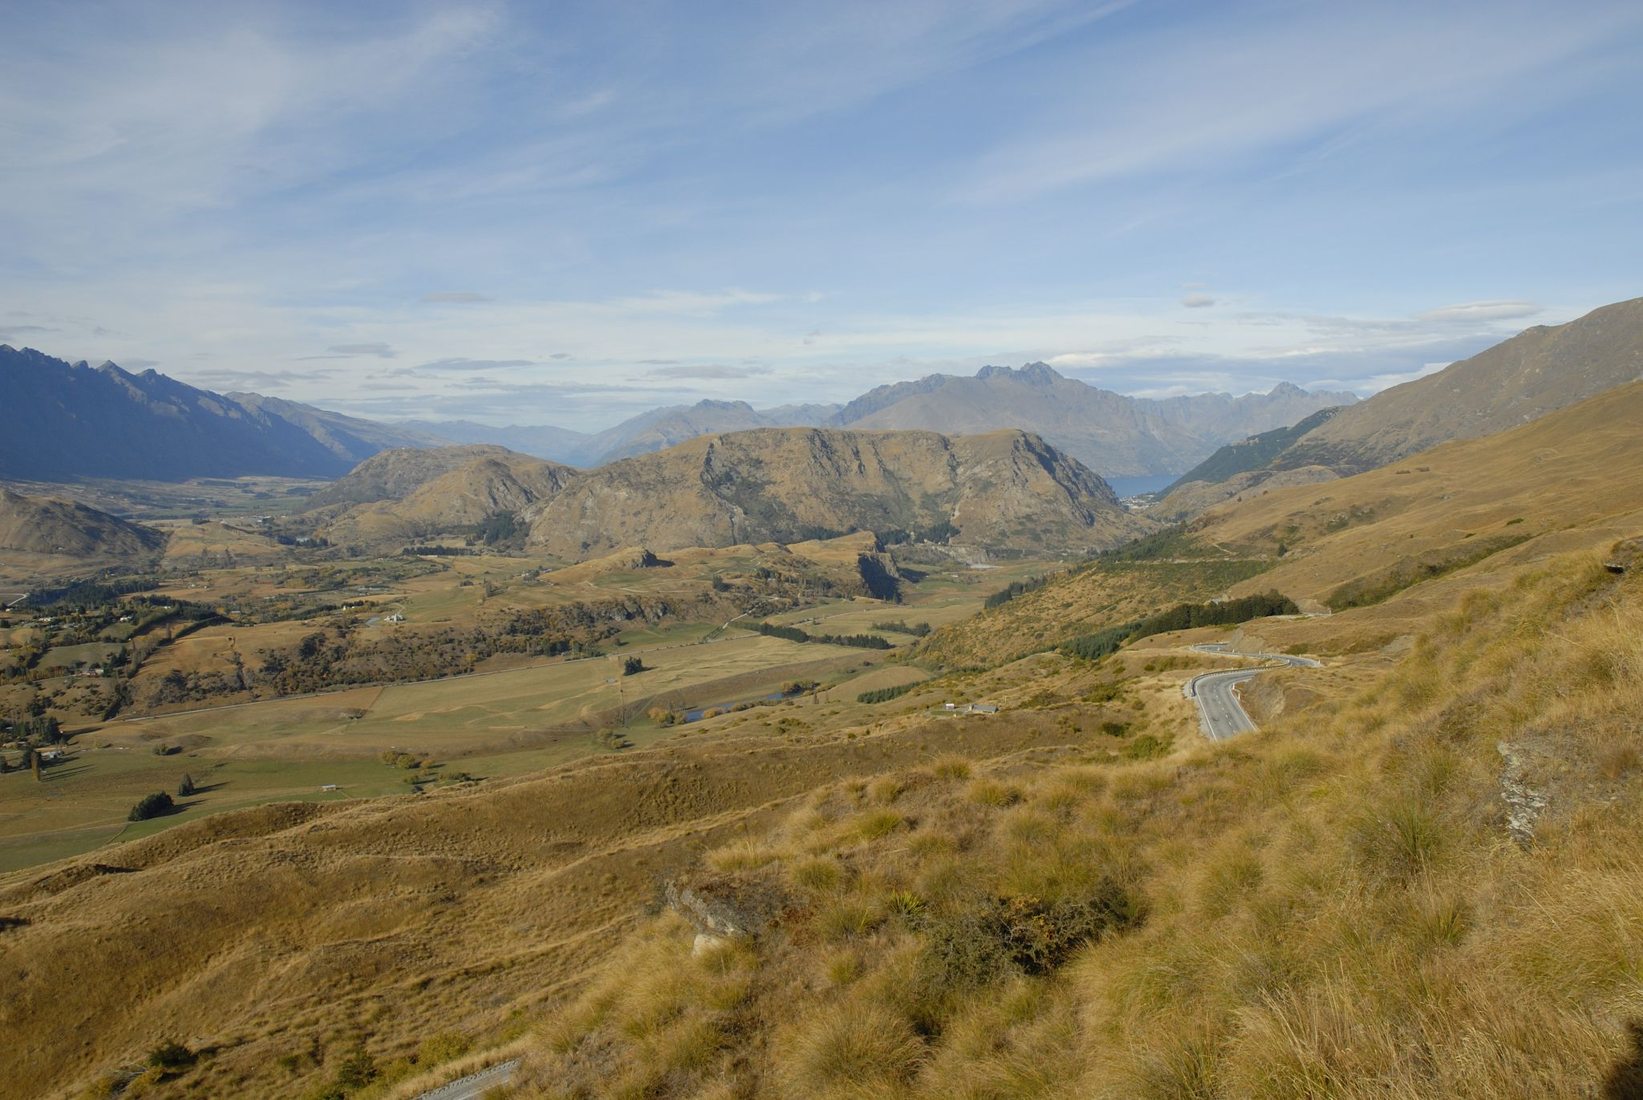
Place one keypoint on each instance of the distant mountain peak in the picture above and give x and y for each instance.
(1037, 374)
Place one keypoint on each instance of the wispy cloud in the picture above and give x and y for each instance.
(1252, 81)
(1472, 312)
(376, 349)
(447, 365)
(454, 297)
(708, 372)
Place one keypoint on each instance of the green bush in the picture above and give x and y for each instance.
(151, 805)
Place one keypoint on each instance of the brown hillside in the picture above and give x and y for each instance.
(38, 525)
(293, 932)
(467, 495)
(395, 474)
(1538, 371)
(1578, 468)
(1006, 489)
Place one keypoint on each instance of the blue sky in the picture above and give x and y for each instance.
(565, 213)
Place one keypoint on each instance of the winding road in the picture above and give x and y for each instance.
(1220, 714)
(475, 1085)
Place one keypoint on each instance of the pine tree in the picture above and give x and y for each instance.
(186, 787)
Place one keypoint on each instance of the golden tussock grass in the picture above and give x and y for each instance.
(1348, 904)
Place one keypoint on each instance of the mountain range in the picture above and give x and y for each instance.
(1001, 490)
(74, 421)
(70, 421)
(1117, 436)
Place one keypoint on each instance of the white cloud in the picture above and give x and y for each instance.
(1482, 311)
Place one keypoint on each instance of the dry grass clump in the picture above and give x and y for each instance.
(847, 1050)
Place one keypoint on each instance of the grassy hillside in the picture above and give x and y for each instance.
(1095, 595)
(1383, 896)
(1538, 371)
(1419, 878)
(1557, 482)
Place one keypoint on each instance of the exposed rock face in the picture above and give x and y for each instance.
(1536, 372)
(71, 420)
(727, 906)
(37, 525)
(1006, 489)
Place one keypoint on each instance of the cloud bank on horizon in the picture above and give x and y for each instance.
(513, 213)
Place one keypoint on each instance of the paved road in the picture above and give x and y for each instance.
(475, 1085)
(1220, 714)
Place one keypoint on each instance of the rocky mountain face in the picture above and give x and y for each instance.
(67, 420)
(1004, 490)
(39, 525)
(1536, 372)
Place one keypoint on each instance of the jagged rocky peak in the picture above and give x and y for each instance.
(1036, 373)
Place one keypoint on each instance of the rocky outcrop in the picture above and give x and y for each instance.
(1002, 490)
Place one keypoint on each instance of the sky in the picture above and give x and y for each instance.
(565, 213)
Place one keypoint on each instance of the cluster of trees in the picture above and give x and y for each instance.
(902, 626)
(151, 805)
(940, 531)
(794, 634)
(1180, 617)
(500, 528)
(39, 729)
(1013, 589)
(884, 695)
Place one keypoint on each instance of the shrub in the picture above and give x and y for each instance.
(171, 1057)
(186, 787)
(151, 805)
